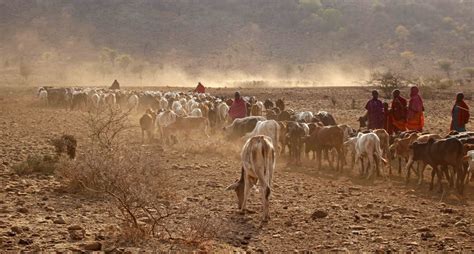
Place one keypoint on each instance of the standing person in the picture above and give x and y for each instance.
(460, 114)
(375, 113)
(399, 112)
(415, 117)
(238, 109)
(200, 88)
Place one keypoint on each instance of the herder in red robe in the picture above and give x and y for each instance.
(398, 112)
(238, 108)
(460, 114)
(415, 116)
(200, 88)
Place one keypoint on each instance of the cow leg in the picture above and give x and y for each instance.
(265, 191)
(408, 167)
(421, 172)
(326, 152)
(460, 178)
(399, 166)
(433, 173)
(362, 169)
(371, 167)
(340, 159)
(319, 152)
(246, 193)
(440, 179)
(449, 178)
(377, 165)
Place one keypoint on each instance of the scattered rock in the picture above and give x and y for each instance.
(25, 241)
(426, 235)
(17, 230)
(319, 214)
(22, 210)
(461, 223)
(77, 235)
(357, 227)
(378, 239)
(74, 227)
(59, 220)
(386, 216)
(92, 246)
(423, 229)
(447, 210)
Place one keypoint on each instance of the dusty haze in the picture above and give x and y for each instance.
(227, 43)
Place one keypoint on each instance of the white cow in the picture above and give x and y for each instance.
(95, 99)
(43, 96)
(470, 170)
(133, 102)
(306, 116)
(196, 112)
(368, 145)
(163, 103)
(269, 128)
(222, 112)
(258, 164)
(164, 119)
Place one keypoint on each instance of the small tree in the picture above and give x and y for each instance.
(408, 57)
(310, 5)
(446, 66)
(402, 33)
(386, 81)
(25, 70)
(108, 54)
(138, 70)
(469, 71)
(124, 61)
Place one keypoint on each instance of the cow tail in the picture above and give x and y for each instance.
(379, 153)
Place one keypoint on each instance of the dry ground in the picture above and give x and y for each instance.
(384, 215)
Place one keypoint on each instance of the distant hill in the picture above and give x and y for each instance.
(158, 41)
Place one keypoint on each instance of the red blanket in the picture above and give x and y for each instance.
(238, 109)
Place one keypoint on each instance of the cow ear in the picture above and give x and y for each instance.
(232, 186)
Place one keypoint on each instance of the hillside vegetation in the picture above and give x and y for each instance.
(175, 42)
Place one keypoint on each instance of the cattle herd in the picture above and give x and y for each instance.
(270, 127)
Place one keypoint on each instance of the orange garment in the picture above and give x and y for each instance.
(416, 122)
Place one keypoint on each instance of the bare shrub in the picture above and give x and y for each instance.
(126, 174)
(202, 229)
(37, 164)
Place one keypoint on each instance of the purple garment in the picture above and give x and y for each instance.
(375, 114)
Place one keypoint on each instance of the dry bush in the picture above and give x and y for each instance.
(37, 164)
(202, 229)
(126, 174)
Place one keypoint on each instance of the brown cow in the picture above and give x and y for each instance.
(280, 103)
(189, 124)
(327, 138)
(147, 124)
(420, 139)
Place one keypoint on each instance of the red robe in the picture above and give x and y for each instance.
(399, 114)
(238, 109)
(200, 88)
(462, 114)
